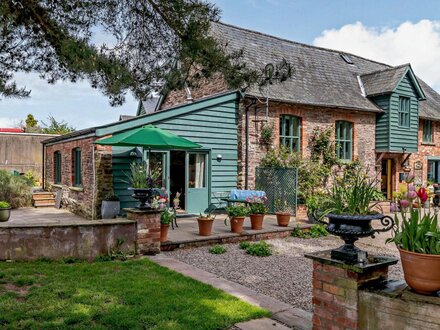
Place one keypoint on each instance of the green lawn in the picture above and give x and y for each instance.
(136, 294)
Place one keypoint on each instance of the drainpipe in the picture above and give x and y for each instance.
(94, 183)
(44, 166)
(246, 156)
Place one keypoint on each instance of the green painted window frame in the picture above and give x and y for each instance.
(344, 140)
(433, 172)
(290, 132)
(57, 167)
(404, 111)
(76, 171)
(427, 136)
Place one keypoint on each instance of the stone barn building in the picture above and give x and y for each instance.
(385, 116)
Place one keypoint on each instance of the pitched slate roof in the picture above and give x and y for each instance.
(383, 81)
(321, 76)
(149, 105)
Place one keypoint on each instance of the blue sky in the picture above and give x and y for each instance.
(391, 31)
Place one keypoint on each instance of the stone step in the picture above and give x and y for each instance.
(42, 195)
(44, 205)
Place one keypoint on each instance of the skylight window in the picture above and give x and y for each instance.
(347, 58)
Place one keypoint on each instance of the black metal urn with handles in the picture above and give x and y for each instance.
(144, 196)
(352, 227)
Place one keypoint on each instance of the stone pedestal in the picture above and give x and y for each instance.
(336, 285)
(148, 229)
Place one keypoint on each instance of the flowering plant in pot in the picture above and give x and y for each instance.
(350, 210)
(5, 211)
(176, 200)
(282, 213)
(257, 210)
(142, 181)
(166, 217)
(205, 221)
(236, 214)
(417, 236)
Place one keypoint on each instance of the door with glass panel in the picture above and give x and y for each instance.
(197, 182)
(158, 163)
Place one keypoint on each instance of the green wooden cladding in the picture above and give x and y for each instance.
(211, 123)
(397, 127)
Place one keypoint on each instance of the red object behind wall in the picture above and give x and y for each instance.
(11, 130)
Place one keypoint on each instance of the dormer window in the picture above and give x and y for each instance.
(404, 111)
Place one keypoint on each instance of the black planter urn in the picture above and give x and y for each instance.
(352, 227)
(144, 196)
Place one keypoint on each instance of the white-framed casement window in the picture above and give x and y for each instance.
(404, 111)
(290, 132)
(344, 140)
(428, 133)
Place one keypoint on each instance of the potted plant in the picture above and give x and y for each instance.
(166, 217)
(110, 206)
(417, 236)
(205, 222)
(142, 181)
(283, 216)
(236, 214)
(5, 211)
(176, 200)
(257, 210)
(350, 211)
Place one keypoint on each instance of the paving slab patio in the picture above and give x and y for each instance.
(187, 232)
(46, 217)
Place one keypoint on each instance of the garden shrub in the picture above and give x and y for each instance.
(315, 231)
(217, 249)
(16, 190)
(244, 245)
(260, 249)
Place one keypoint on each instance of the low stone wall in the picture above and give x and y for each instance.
(395, 307)
(357, 297)
(58, 241)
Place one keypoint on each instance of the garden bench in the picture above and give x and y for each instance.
(241, 196)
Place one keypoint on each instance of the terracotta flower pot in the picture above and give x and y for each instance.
(164, 232)
(283, 218)
(237, 224)
(422, 271)
(257, 221)
(205, 226)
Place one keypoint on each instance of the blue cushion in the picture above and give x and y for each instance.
(244, 194)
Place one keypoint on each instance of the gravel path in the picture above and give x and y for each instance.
(286, 275)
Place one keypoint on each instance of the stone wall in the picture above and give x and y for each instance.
(360, 296)
(148, 229)
(22, 152)
(426, 149)
(205, 88)
(312, 117)
(55, 242)
(397, 308)
(96, 165)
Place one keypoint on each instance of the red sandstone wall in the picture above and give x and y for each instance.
(206, 88)
(84, 201)
(56, 242)
(312, 117)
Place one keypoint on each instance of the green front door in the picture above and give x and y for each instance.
(197, 182)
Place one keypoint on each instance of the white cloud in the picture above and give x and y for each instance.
(9, 122)
(415, 43)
